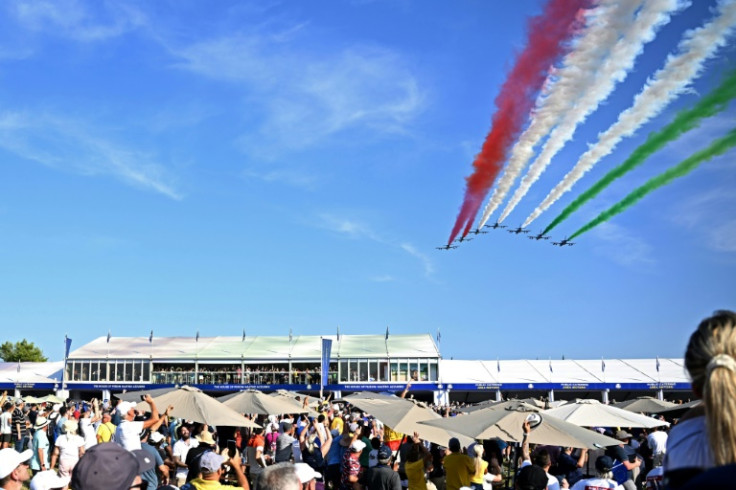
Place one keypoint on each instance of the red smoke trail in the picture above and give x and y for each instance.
(547, 33)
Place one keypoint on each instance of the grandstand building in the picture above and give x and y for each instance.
(110, 365)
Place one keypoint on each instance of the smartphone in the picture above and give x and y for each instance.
(143, 398)
(231, 448)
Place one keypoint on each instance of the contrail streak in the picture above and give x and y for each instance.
(718, 147)
(547, 35)
(606, 24)
(684, 121)
(599, 86)
(696, 47)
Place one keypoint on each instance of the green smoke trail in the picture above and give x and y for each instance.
(684, 121)
(718, 147)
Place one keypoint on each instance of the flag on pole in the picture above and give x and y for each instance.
(386, 332)
(108, 336)
(498, 365)
(150, 337)
(243, 340)
(291, 335)
(338, 333)
(550, 366)
(603, 366)
(657, 363)
(67, 346)
(196, 339)
(439, 336)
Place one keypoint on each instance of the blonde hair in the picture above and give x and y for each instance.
(478, 450)
(710, 360)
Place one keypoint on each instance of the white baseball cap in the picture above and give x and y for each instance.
(156, 437)
(357, 446)
(305, 472)
(10, 459)
(124, 407)
(46, 480)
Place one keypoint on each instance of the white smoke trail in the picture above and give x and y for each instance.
(613, 70)
(697, 46)
(604, 25)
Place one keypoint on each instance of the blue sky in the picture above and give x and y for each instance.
(184, 166)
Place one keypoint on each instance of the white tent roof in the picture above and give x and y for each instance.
(30, 372)
(564, 371)
(266, 348)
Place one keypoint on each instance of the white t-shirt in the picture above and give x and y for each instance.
(596, 484)
(6, 423)
(128, 434)
(90, 435)
(69, 445)
(181, 448)
(657, 441)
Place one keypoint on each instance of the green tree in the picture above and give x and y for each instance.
(23, 351)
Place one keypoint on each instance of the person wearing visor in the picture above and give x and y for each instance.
(14, 468)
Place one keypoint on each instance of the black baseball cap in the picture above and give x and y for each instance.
(532, 477)
(108, 466)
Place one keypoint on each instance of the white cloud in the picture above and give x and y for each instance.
(303, 96)
(77, 20)
(292, 178)
(622, 246)
(358, 230)
(709, 215)
(71, 146)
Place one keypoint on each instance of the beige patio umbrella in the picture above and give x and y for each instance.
(645, 404)
(506, 424)
(497, 404)
(191, 404)
(52, 399)
(592, 413)
(681, 408)
(405, 416)
(135, 396)
(254, 401)
(33, 399)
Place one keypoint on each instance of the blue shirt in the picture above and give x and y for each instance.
(40, 441)
(150, 476)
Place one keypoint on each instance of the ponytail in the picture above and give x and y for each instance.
(711, 361)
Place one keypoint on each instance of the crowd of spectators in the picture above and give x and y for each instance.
(113, 446)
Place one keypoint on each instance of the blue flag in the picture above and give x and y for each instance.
(67, 346)
(325, 362)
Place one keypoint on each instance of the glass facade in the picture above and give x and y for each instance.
(249, 372)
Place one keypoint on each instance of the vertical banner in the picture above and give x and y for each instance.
(325, 362)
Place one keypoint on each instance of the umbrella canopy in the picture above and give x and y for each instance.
(33, 399)
(501, 404)
(645, 404)
(592, 413)
(404, 416)
(254, 401)
(52, 399)
(135, 396)
(191, 404)
(681, 408)
(506, 424)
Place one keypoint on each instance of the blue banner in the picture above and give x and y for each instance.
(67, 346)
(325, 362)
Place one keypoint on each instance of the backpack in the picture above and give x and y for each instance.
(53, 418)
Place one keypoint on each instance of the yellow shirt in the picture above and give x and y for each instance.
(415, 475)
(105, 432)
(458, 470)
(478, 477)
(337, 423)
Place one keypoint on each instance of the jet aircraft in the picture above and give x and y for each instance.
(496, 225)
(478, 231)
(562, 243)
(518, 230)
(541, 236)
(463, 239)
(446, 247)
